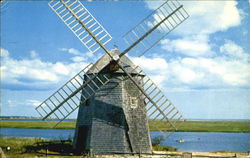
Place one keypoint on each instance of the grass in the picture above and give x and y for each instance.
(187, 126)
(27, 118)
(37, 125)
(204, 126)
(163, 148)
(29, 147)
(37, 147)
(17, 144)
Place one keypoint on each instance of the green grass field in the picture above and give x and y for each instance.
(205, 126)
(35, 147)
(187, 126)
(39, 125)
(30, 147)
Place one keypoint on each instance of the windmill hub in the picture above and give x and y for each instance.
(106, 64)
(116, 57)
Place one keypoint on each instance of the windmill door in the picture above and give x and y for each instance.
(82, 138)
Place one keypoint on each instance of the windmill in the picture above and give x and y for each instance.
(114, 96)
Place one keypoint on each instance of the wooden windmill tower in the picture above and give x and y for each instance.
(114, 96)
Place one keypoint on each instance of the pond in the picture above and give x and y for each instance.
(194, 141)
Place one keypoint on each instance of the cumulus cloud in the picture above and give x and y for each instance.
(71, 51)
(80, 56)
(78, 59)
(199, 64)
(4, 53)
(156, 67)
(33, 54)
(206, 17)
(35, 73)
(220, 71)
(27, 103)
(155, 63)
(189, 46)
(207, 72)
(233, 50)
(10, 103)
(33, 102)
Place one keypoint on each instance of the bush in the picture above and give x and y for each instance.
(157, 140)
(156, 143)
(164, 148)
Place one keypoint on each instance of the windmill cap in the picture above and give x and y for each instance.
(105, 60)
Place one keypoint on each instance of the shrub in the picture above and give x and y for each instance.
(157, 140)
(156, 143)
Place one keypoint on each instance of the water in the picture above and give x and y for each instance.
(208, 141)
(41, 133)
(194, 141)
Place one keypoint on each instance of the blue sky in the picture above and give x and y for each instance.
(202, 66)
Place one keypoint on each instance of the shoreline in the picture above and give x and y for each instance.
(187, 126)
(149, 130)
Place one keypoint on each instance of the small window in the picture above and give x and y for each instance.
(133, 102)
(87, 103)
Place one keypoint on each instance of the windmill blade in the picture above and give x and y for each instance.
(155, 27)
(74, 92)
(80, 21)
(158, 106)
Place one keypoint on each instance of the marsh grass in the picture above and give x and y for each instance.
(204, 126)
(35, 146)
(17, 144)
(163, 148)
(37, 125)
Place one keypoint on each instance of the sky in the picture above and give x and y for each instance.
(202, 66)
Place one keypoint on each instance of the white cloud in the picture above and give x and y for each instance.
(155, 63)
(71, 51)
(78, 56)
(189, 46)
(61, 69)
(199, 66)
(206, 17)
(235, 51)
(35, 72)
(201, 72)
(32, 102)
(213, 72)
(27, 103)
(4, 53)
(183, 74)
(156, 67)
(33, 54)
(229, 68)
(10, 103)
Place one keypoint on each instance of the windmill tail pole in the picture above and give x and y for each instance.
(147, 33)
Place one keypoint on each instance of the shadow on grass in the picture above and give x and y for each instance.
(51, 147)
